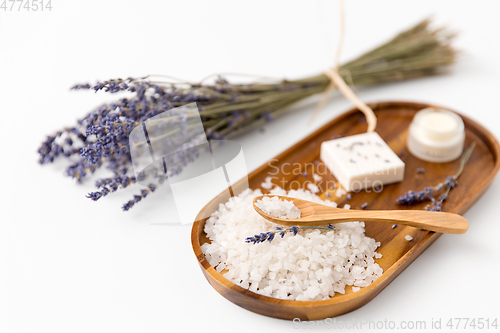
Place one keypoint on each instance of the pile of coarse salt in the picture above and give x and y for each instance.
(313, 265)
(276, 207)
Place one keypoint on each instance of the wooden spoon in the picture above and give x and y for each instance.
(313, 214)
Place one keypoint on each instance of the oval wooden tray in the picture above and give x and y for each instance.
(393, 121)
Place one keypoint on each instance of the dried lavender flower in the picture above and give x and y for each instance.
(100, 139)
(269, 236)
(412, 197)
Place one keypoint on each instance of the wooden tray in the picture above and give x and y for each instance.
(393, 121)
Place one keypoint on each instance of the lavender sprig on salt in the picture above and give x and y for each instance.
(305, 264)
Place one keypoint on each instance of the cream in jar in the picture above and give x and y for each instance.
(436, 135)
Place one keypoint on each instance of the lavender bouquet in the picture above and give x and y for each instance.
(101, 138)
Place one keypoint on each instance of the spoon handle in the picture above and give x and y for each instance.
(434, 221)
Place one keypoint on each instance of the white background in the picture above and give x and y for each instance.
(71, 265)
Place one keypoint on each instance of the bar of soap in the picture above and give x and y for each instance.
(362, 161)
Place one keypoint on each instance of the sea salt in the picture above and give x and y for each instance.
(313, 188)
(317, 178)
(276, 207)
(267, 184)
(312, 265)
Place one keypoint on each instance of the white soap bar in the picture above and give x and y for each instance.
(362, 161)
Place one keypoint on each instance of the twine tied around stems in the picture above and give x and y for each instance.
(336, 82)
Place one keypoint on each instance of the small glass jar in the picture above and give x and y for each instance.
(436, 135)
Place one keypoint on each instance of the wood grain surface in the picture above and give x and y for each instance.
(393, 121)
